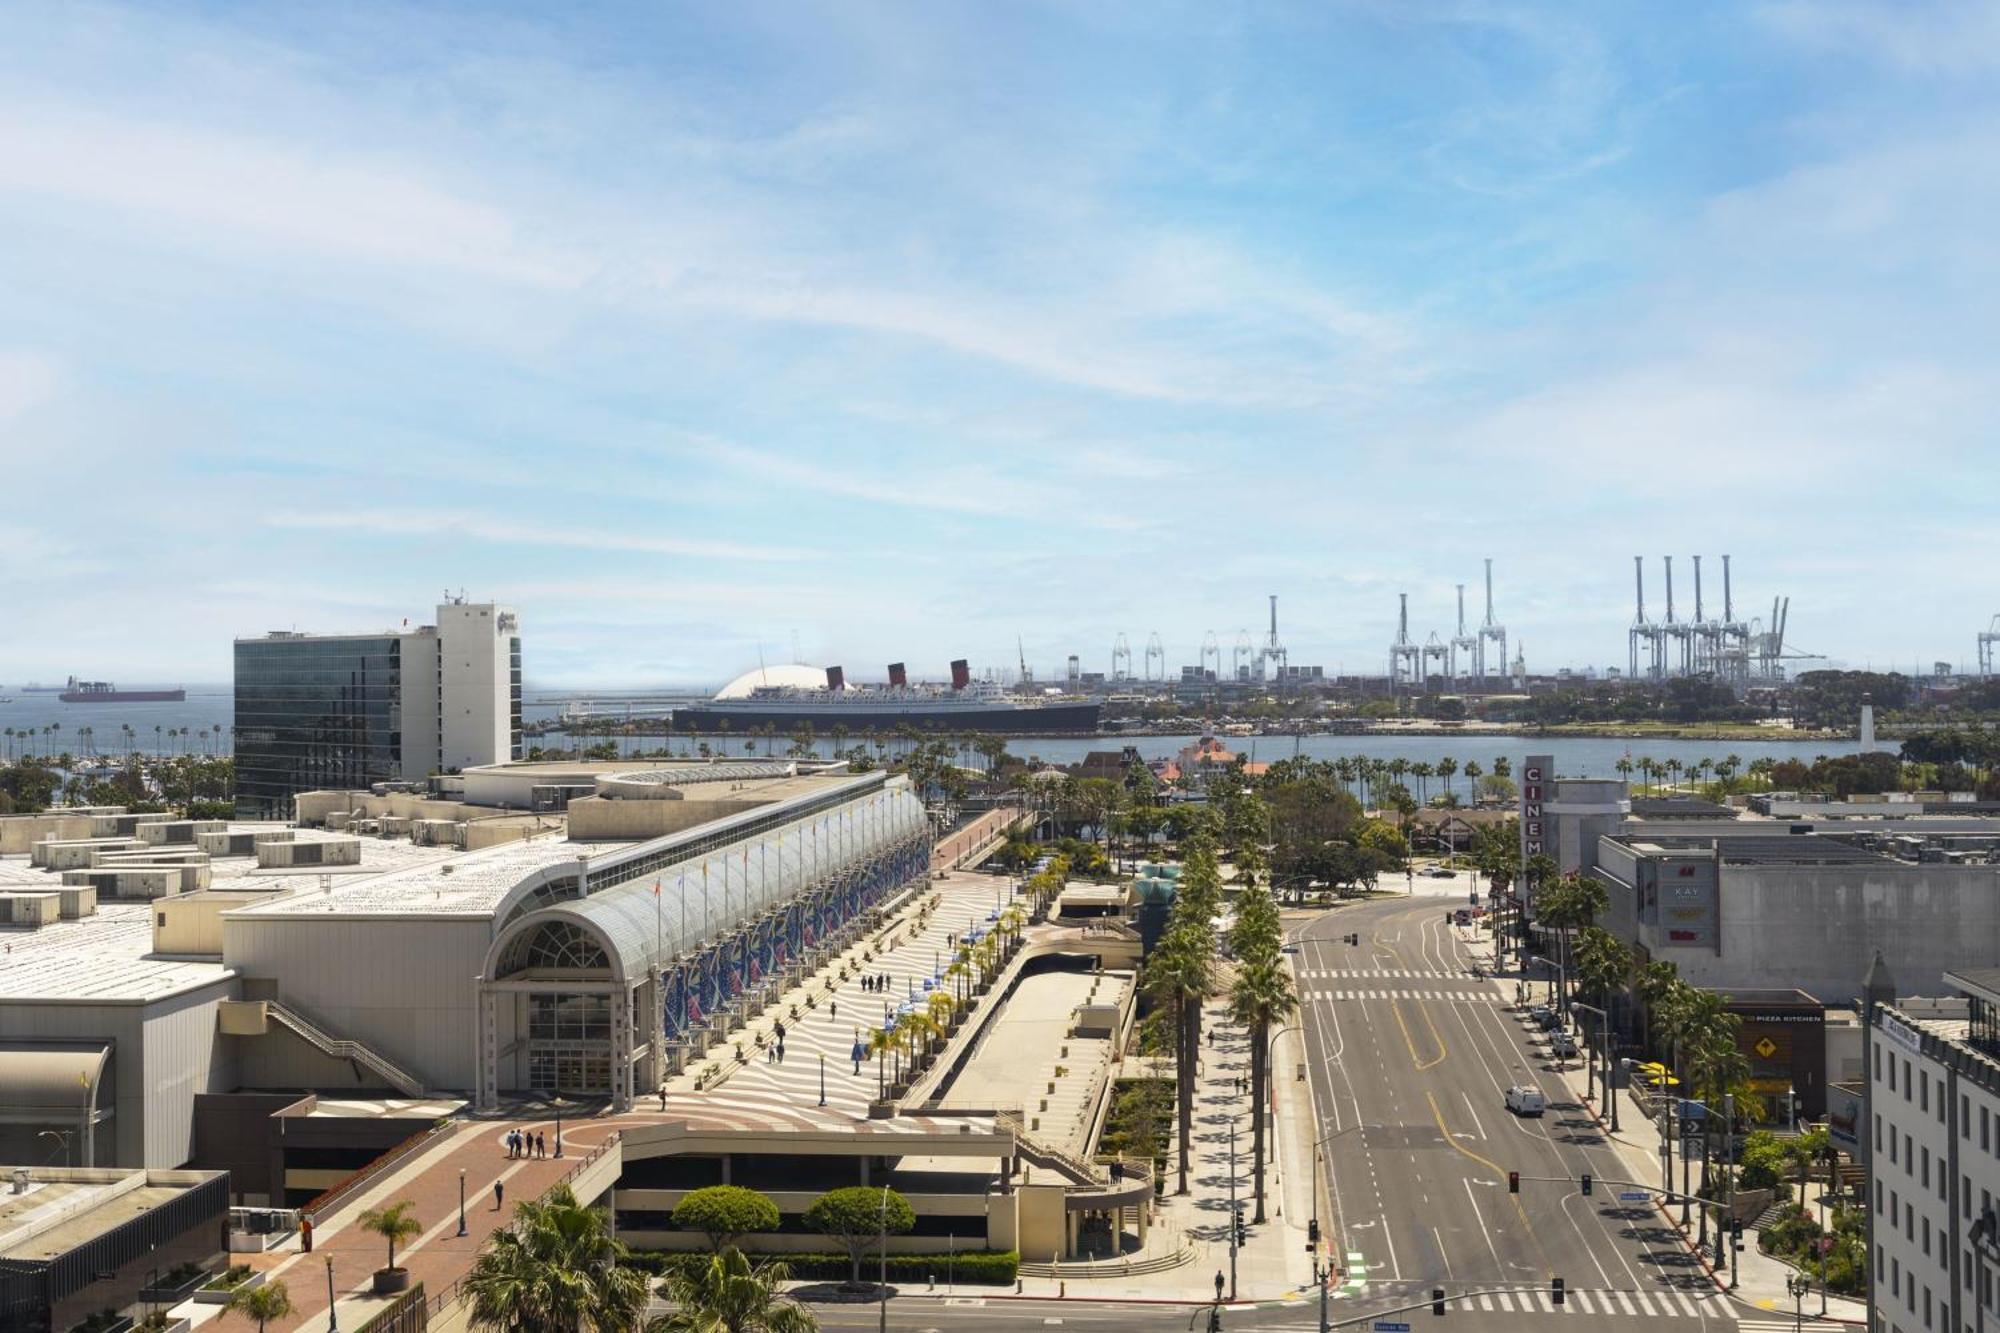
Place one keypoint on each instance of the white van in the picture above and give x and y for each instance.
(1525, 1100)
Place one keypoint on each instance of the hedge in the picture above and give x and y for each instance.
(997, 1267)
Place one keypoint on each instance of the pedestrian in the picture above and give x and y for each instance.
(663, 1098)
(499, 1194)
(780, 1030)
(541, 1145)
(781, 1052)
(833, 1009)
(513, 1143)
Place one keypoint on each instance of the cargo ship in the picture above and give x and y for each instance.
(787, 699)
(104, 692)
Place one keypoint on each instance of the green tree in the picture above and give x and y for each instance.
(393, 1224)
(725, 1293)
(725, 1212)
(859, 1216)
(1261, 998)
(263, 1304)
(557, 1269)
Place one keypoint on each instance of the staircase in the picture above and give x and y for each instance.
(340, 1048)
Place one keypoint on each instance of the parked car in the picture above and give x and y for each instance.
(1548, 1020)
(1562, 1045)
(1524, 1100)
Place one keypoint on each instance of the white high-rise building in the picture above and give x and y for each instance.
(1934, 1158)
(319, 711)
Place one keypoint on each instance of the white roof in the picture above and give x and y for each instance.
(107, 958)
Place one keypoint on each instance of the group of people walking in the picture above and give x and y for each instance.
(520, 1143)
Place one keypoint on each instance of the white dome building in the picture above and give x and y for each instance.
(792, 675)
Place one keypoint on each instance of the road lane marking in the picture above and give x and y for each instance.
(1452, 1142)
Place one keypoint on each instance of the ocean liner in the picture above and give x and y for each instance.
(789, 698)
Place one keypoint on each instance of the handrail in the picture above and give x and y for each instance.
(344, 1048)
(322, 1204)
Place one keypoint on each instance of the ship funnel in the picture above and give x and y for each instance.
(961, 674)
(898, 677)
(835, 679)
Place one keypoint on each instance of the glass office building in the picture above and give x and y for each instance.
(314, 713)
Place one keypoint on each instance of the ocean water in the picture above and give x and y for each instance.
(212, 707)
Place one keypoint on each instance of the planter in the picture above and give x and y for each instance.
(390, 1281)
(167, 1326)
(221, 1295)
(174, 1294)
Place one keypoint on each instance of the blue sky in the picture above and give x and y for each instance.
(907, 329)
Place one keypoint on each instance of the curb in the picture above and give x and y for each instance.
(1699, 1254)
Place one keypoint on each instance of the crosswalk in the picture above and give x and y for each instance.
(1452, 996)
(1383, 974)
(1647, 1304)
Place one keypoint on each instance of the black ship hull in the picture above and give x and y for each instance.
(1052, 719)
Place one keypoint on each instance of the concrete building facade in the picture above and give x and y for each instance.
(1934, 1159)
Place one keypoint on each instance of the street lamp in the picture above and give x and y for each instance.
(882, 1278)
(461, 1201)
(557, 1103)
(332, 1310)
(822, 1078)
(1796, 1286)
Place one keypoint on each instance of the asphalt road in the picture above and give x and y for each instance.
(1410, 1057)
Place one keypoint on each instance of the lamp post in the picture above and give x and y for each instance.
(1796, 1286)
(461, 1201)
(1233, 1213)
(1326, 1238)
(557, 1103)
(822, 1078)
(882, 1276)
(332, 1309)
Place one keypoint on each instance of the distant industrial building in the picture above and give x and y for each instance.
(1749, 905)
(323, 711)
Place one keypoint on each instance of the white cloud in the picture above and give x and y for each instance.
(27, 380)
(586, 535)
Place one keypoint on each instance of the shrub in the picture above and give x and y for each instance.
(990, 1267)
(724, 1212)
(1762, 1161)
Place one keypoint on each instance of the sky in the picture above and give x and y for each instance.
(866, 332)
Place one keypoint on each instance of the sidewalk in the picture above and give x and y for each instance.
(1760, 1278)
(1273, 1262)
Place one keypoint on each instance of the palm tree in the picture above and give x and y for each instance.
(1473, 772)
(725, 1293)
(1624, 767)
(1651, 983)
(1447, 768)
(263, 1304)
(1262, 996)
(394, 1223)
(557, 1269)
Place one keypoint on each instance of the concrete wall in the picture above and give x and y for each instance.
(162, 1054)
(474, 667)
(402, 984)
(19, 833)
(593, 818)
(1818, 927)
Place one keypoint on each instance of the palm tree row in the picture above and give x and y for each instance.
(1261, 998)
(1180, 973)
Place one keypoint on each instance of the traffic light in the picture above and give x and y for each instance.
(1437, 1300)
(1556, 1290)
(1586, 1183)
(1513, 1182)
(1242, 1234)
(1312, 1230)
